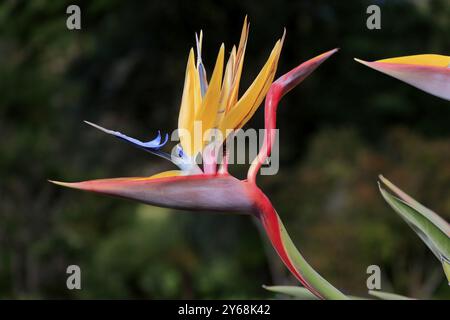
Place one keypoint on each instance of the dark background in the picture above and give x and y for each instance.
(338, 130)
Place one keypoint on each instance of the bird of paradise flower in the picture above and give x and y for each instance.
(215, 104)
(427, 72)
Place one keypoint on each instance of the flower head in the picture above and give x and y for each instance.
(211, 108)
(427, 72)
(215, 105)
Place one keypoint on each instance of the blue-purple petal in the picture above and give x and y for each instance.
(152, 146)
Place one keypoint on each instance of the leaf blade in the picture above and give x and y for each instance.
(388, 295)
(432, 229)
(293, 291)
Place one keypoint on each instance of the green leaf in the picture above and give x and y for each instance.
(299, 292)
(446, 266)
(293, 291)
(430, 227)
(388, 296)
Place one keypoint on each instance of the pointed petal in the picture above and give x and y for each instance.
(429, 73)
(208, 112)
(172, 190)
(187, 109)
(272, 71)
(226, 87)
(252, 98)
(233, 97)
(189, 103)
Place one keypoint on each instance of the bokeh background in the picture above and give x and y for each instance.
(340, 129)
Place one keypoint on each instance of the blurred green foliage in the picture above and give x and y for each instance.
(125, 68)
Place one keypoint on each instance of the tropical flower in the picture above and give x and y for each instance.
(215, 105)
(427, 72)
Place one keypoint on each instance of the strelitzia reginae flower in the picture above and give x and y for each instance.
(427, 72)
(215, 104)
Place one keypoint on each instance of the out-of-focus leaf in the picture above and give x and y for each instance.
(293, 291)
(429, 226)
(299, 292)
(388, 296)
(446, 266)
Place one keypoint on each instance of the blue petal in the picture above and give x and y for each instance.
(151, 146)
(180, 159)
(154, 144)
